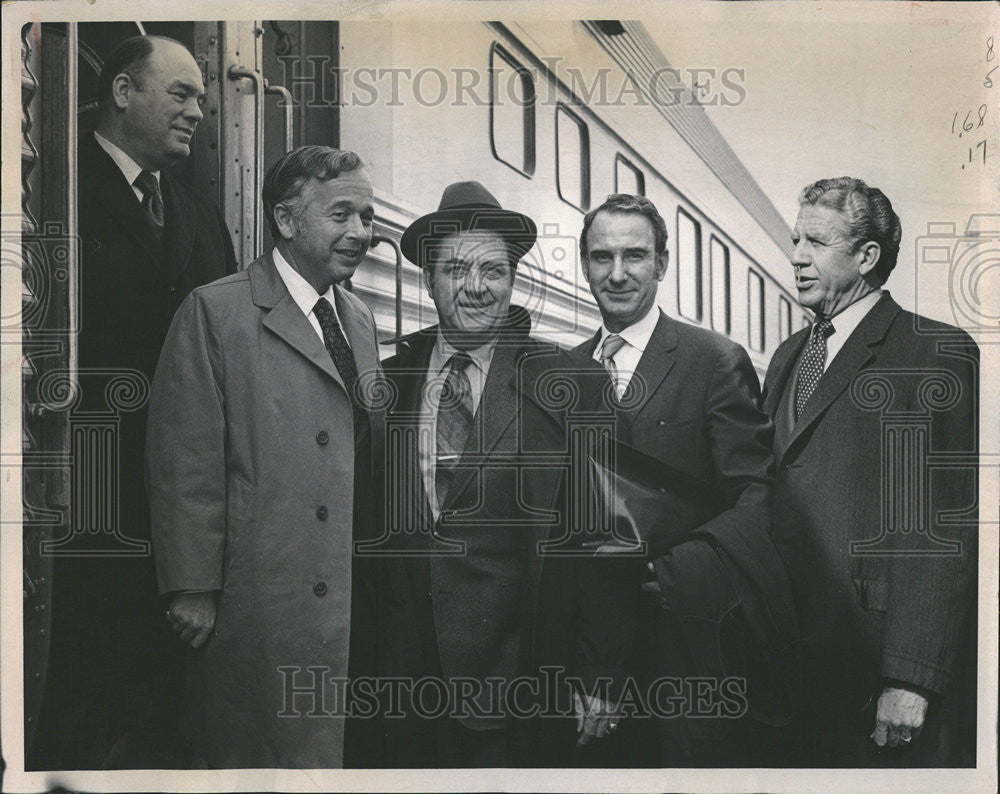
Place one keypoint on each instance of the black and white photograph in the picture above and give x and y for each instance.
(497, 396)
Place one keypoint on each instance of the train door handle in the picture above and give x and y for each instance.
(286, 96)
(239, 72)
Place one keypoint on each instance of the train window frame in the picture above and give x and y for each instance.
(784, 318)
(640, 176)
(761, 314)
(529, 129)
(581, 125)
(698, 263)
(727, 324)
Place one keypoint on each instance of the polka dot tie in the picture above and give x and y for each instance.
(612, 344)
(813, 362)
(336, 345)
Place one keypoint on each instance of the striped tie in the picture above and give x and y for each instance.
(612, 344)
(152, 201)
(454, 421)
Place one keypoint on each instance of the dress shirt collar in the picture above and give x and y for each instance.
(444, 350)
(638, 334)
(302, 292)
(129, 167)
(848, 319)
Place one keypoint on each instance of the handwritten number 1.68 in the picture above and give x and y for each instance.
(969, 123)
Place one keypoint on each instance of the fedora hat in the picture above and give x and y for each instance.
(467, 206)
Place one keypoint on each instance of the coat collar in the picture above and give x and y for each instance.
(857, 352)
(285, 318)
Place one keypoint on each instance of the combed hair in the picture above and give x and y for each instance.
(130, 57)
(867, 214)
(626, 202)
(285, 179)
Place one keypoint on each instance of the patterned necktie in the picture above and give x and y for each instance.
(811, 368)
(152, 201)
(612, 344)
(454, 420)
(336, 345)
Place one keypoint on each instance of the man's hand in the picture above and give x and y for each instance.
(900, 716)
(595, 718)
(192, 615)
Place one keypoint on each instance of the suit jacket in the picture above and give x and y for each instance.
(128, 292)
(251, 466)
(880, 541)
(693, 404)
(472, 610)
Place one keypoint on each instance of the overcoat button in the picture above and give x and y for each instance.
(320, 589)
(322, 437)
(322, 512)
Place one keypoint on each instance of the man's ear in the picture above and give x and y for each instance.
(585, 267)
(869, 254)
(285, 221)
(428, 274)
(661, 265)
(121, 90)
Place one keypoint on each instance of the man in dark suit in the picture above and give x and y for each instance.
(880, 543)
(472, 495)
(147, 240)
(688, 398)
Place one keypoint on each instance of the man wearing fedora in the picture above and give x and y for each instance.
(472, 496)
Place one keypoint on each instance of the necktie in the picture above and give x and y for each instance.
(152, 201)
(612, 344)
(454, 420)
(336, 345)
(811, 368)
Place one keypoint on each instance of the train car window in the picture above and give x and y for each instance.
(572, 158)
(512, 112)
(689, 293)
(755, 309)
(784, 318)
(722, 308)
(628, 177)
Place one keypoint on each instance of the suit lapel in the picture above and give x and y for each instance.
(114, 197)
(178, 229)
(655, 364)
(285, 319)
(853, 356)
(781, 367)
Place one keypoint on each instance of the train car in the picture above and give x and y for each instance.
(550, 115)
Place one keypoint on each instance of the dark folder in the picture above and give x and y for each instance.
(646, 501)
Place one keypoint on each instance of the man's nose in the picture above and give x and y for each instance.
(618, 273)
(799, 256)
(356, 227)
(193, 112)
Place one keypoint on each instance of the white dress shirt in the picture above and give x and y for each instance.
(636, 338)
(845, 322)
(437, 371)
(305, 295)
(129, 167)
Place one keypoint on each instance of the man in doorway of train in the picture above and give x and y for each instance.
(717, 605)
(880, 545)
(147, 239)
(463, 574)
(262, 454)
